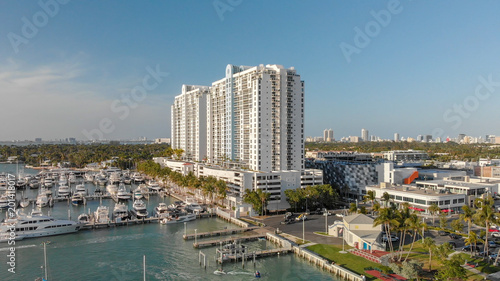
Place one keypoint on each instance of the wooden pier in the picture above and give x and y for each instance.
(228, 240)
(239, 254)
(218, 233)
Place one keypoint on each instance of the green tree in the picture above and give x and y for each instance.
(353, 208)
(457, 225)
(452, 269)
(258, 199)
(467, 216)
(387, 218)
(429, 245)
(434, 209)
(443, 222)
(487, 215)
(472, 240)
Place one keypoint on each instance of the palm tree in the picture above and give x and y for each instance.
(429, 244)
(402, 216)
(376, 207)
(472, 240)
(415, 224)
(386, 218)
(386, 197)
(466, 216)
(434, 209)
(370, 196)
(486, 214)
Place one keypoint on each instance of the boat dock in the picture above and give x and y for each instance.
(218, 233)
(238, 254)
(93, 225)
(228, 240)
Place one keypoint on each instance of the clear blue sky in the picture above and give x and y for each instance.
(87, 55)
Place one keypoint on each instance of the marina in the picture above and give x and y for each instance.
(114, 250)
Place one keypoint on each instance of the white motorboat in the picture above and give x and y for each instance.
(127, 179)
(80, 189)
(77, 199)
(42, 200)
(34, 184)
(177, 218)
(63, 191)
(100, 179)
(46, 191)
(137, 178)
(72, 178)
(101, 215)
(3, 184)
(120, 211)
(161, 209)
(63, 180)
(154, 186)
(4, 201)
(25, 202)
(138, 193)
(140, 209)
(21, 183)
(194, 207)
(122, 193)
(114, 178)
(48, 182)
(28, 226)
(112, 189)
(89, 177)
(83, 218)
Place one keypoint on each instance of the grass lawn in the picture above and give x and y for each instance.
(348, 260)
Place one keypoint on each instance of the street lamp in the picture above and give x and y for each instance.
(326, 221)
(303, 229)
(195, 235)
(343, 240)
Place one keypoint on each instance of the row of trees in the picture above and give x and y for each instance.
(405, 221)
(316, 196)
(438, 151)
(212, 188)
(81, 155)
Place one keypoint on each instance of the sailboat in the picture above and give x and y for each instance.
(44, 263)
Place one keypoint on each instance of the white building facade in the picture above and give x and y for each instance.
(189, 122)
(255, 117)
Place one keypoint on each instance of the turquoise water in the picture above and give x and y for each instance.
(117, 253)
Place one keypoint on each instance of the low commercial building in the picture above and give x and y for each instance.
(469, 189)
(405, 155)
(419, 198)
(358, 232)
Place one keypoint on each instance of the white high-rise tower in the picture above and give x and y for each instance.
(364, 135)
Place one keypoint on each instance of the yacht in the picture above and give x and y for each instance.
(77, 199)
(29, 226)
(112, 189)
(25, 202)
(100, 179)
(42, 200)
(122, 193)
(101, 215)
(139, 209)
(47, 191)
(178, 217)
(63, 191)
(138, 193)
(127, 179)
(34, 184)
(83, 218)
(161, 209)
(194, 207)
(114, 178)
(48, 182)
(120, 212)
(21, 183)
(153, 185)
(63, 180)
(3, 184)
(4, 201)
(138, 178)
(89, 177)
(80, 189)
(72, 178)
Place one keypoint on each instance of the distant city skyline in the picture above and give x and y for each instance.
(111, 69)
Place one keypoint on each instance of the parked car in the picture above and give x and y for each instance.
(492, 244)
(339, 215)
(467, 248)
(455, 236)
(452, 243)
(495, 234)
(393, 238)
(443, 233)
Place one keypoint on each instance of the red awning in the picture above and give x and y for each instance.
(446, 210)
(417, 209)
(494, 230)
